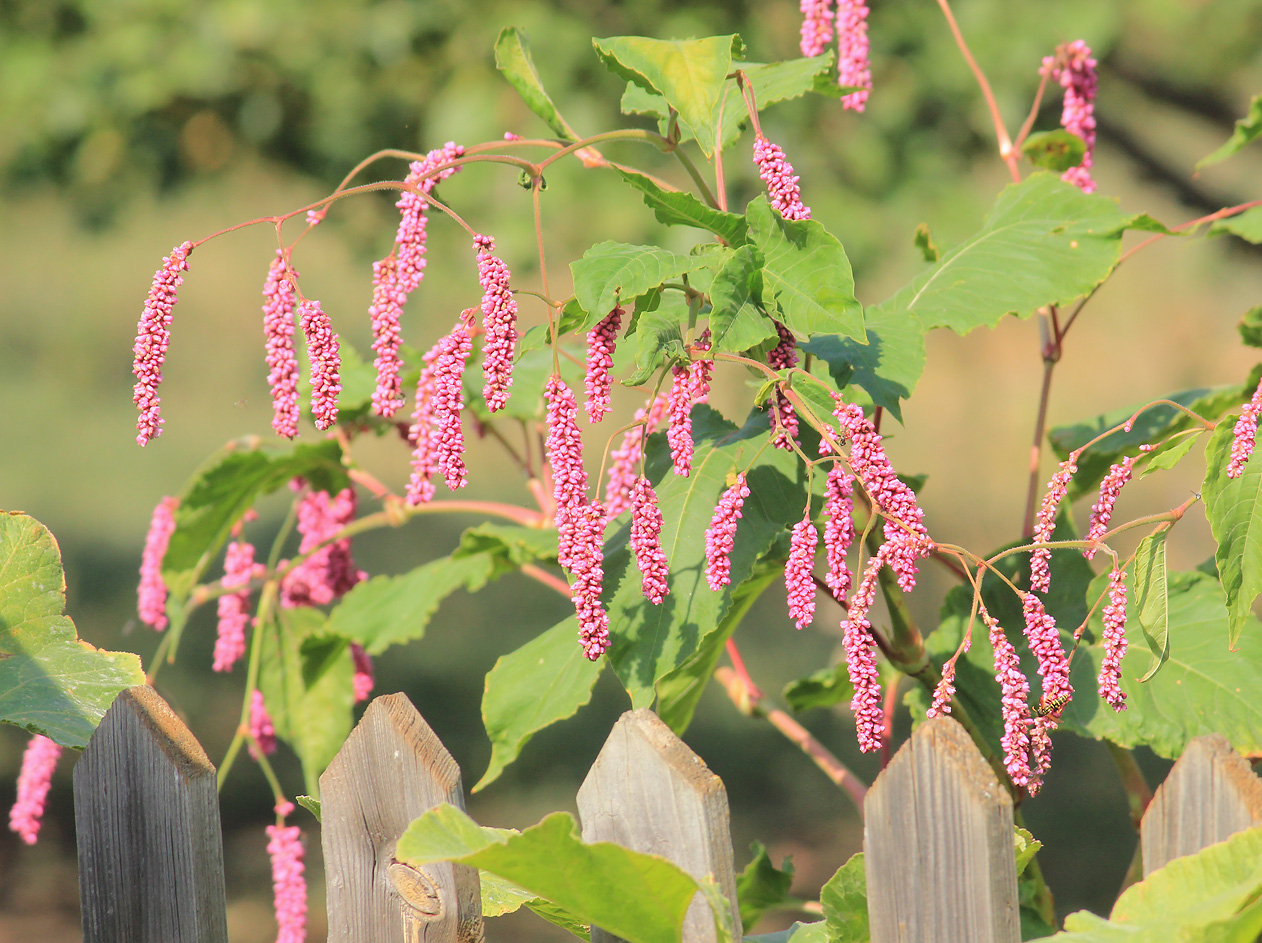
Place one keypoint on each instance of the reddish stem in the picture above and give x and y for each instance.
(738, 663)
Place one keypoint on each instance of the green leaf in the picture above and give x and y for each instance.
(638, 897)
(822, 688)
(1250, 326)
(806, 275)
(1233, 507)
(1027, 846)
(1248, 226)
(513, 59)
(1167, 455)
(311, 804)
(509, 545)
(845, 900)
(546, 680)
(660, 341)
(1247, 128)
(924, 242)
(610, 273)
(678, 208)
(1151, 595)
(51, 683)
(736, 321)
(762, 886)
(500, 896)
(689, 74)
(799, 932)
(1054, 150)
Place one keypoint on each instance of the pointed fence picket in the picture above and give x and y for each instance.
(938, 833)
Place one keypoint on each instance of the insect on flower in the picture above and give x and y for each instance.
(1054, 706)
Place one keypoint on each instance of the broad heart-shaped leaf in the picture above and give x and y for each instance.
(1153, 425)
(306, 678)
(50, 682)
(1247, 128)
(736, 321)
(610, 273)
(678, 208)
(762, 886)
(690, 74)
(1248, 226)
(1202, 688)
(659, 339)
(1044, 242)
(845, 902)
(227, 486)
(1150, 590)
(513, 59)
(1054, 150)
(640, 898)
(1213, 896)
(806, 275)
(546, 680)
(1234, 509)
(648, 641)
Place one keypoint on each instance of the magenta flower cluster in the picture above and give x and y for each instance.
(326, 363)
(646, 541)
(233, 608)
(1075, 70)
(782, 357)
(1109, 679)
(798, 583)
(945, 688)
(364, 678)
(853, 67)
(436, 433)
(280, 300)
(1102, 511)
(329, 571)
(289, 886)
(261, 727)
(499, 323)
(587, 554)
(565, 458)
(1015, 691)
(153, 337)
(1045, 523)
(151, 594)
(1044, 640)
(1244, 434)
(838, 529)
(720, 537)
(624, 461)
(782, 185)
(39, 761)
(817, 26)
(601, 343)
(860, 647)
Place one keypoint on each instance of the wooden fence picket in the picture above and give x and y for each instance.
(938, 844)
(1209, 795)
(649, 792)
(392, 769)
(149, 840)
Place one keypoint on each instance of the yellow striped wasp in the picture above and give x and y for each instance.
(1054, 706)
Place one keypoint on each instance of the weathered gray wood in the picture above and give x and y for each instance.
(1209, 795)
(147, 817)
(649, 792)
(938, 845)
(392, 769)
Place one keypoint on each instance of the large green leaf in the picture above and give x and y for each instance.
(822, 688)
(806, 275)
(845, 902)
(1151, 592)
(678, 208)
(640, 898)
(513, 59)
(1234, 509)
(690, 74)
(546, 680)
(610, 273)
(50, 682)
(659, 339)
(1044, 242)
(1247, 128)
(736, 321)
(1054, 150)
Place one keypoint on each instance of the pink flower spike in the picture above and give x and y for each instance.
(151, 595)
(799, 586)
(1075, 70)
(153, 337)
(601, 342)
(1015, 690)
(782, 186)
(1244, 434)
(565, 457)
(326, 364)
(261, 727)
(1102, 511)
(289, 886)
(423, 433)
(234, 613)
(328, 572)
(1110, 676)
(720, 538)
(624, 461)
(646, 541)
(586, 559)
(701, 371)
(853, 67)
(869, 716)
(36, 778)
(817, 26)
(364, 676)
(679, 431)
(1040, 751)
(838, 529)
(278, 328)
(499, 323)
(1044, 639)
(1045, 524)
(448, 400)
(782, 357)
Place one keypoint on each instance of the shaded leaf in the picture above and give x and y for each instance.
(513, 59)
(762, 886)
(1250, 326)
(822, 688)
(1232, 506)
(845, 900)
(678, 208)
(660, 341)
(1150, 592)
(311, 804)
(1027, 846)
(1054, 150)
(500, 896)
(736, 321)
(1247, 128)
(509, 545)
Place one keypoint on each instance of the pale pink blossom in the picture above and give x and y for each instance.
(38, 764)
(624, 461)
(279, 301)
(798, 584)
(499, 323)
(646, 541)
(1045, 523)
(565, 458)
(153, 337)
(1015, 691)
(261, 727)
(233, 608)
(151, 594)
(838, 529)
(782, 185)
(817, 26)
(945, 689)
(585, 564)
(601, 342)
(1244, 433)
(701, 370)
(1102, 510)
(679, 430)
(720, 537)
(853, 68)
(865, 704)
(1044, 639)
(1114, 615)
(289, 886)
(785, 419)
(423, 433)
(329, 572)
(448, 400)
(326, 362)
(1075, 70)
(364, 675)
(1040, 751)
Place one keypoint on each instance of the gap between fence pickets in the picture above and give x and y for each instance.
(938, 831)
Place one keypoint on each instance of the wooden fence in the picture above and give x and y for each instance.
(938, 831)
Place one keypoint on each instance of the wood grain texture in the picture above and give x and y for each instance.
(392, 769)
(649, 792)
(147, 818)
(1209, 795)
(938, 844)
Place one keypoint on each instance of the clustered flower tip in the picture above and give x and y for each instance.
(690, 384)
(1075, 70)
(1015, 691)
(646, 541)
(261, 727)
(1044, 640)
(838, 529)
(153, 337)
(499, 323)
(279, 302)
(798, 583)
(853, 67)
(865, 704)
(440, 414)
(1109, 679)
(565, 457)
(1045, 524)
(39, 761)
(289, 886)
(601, 343)
(587, 554)
(1102, 511)
(151, 594)
(720, 537)
(817, 26)
(1244, 434)
(328, 572)
(233, 608)
(782, 185)
(326, 362)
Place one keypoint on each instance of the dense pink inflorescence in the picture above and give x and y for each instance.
(601, 341)
(153, 336)
(565, 457)
(1040, 751)
(646, 541)
(289, 886)
(838, 529)
(1244, 433)
(261, 727)
(330, 571)
(1075, 70)
(817, 26)
(279, 301)
(1044, 639)
(853, 67)
(798, 584)
(423, 433)
(1102, 510)
(1114, 614)
(782, 185)
(364, 675)
(38, 763)
(233, 608)
(448, 400)
(865, 704)
(720, 537)
(1015, 690)
(782, 357)
(1045, 524)
(499, 323)
(326, 362)
(624, 461)
(151, 594)
(679, 430)
(587, 554)
(945, 689)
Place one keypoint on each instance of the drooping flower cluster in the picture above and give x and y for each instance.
(153, 337)
(601, 341)
(1045, 523)
(587, 553)
(436, 432)
(565, 457)
(945, 689)
(838, 529)
(326, 362)
(279, 301)
(364, 676)
(499, 323)
(817, 26)
(1044, 640)
(782, 185)
(1102, 511)
(289, 886)
(689, 385)
(624, 461)
(1015, 691)
(853, 67)
(799, 586)
(38, 764)
(330, 571)
(1114, 642)
(720, 537)
(1244, 434)
(151, 594)
(1075, 70)
(782, 357)
(261, 727)
(646, 541)
(1040, 751)
(860, 647)
(233, 608)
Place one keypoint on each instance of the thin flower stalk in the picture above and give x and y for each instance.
(153, 337)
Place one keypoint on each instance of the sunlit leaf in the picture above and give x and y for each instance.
(678, 208)
(1151, 594)
(513, 59)
(1234, 509)
(1247, 128)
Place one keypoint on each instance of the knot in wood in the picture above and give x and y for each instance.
(418, 889)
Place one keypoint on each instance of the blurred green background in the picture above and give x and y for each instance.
(128, 127)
